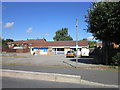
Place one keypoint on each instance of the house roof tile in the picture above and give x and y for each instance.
(62, 43)
(44, 43)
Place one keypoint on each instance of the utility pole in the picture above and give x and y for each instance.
(76, 42)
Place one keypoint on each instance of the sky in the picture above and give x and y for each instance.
(37, 20)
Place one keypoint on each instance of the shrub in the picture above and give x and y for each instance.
(116, 59)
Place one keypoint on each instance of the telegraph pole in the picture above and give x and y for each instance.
(76, 42)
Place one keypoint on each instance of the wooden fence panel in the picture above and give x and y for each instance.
(17, 50)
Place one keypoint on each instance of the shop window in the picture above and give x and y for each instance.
(44, 50)
(60, 49)
(74, 49)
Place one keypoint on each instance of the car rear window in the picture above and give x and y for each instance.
(70, 51)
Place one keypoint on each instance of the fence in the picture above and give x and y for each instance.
(22, 50)
(17, 50)
(9, 50)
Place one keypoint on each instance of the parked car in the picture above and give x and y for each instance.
(70, 54)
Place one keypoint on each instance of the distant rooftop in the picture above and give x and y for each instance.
(43, 42)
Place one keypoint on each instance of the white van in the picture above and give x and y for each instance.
(85, 52)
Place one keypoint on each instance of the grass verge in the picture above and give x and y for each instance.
(100, 67)
(16, 56)
(30, 64)
(114, 67)
(106, 67)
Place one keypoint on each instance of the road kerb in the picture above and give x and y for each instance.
(41, 76)
(85, 82)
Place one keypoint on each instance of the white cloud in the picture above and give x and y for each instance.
(29, 30)
(46, 34)
(90, 38)
(9, 24)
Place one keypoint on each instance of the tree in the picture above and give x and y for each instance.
(104, 21)
(0, 41)
(92, 44)
(15, 45)
(62, 35)
(9, 40)
(0, 44)
(4, 44)
(84, 39)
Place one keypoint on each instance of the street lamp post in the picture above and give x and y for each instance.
(76, 42)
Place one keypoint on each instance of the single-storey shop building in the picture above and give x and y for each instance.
(41, 46)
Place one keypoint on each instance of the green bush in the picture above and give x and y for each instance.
(116, 59)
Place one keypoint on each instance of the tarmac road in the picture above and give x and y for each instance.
(100, 76)
(24, 83)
